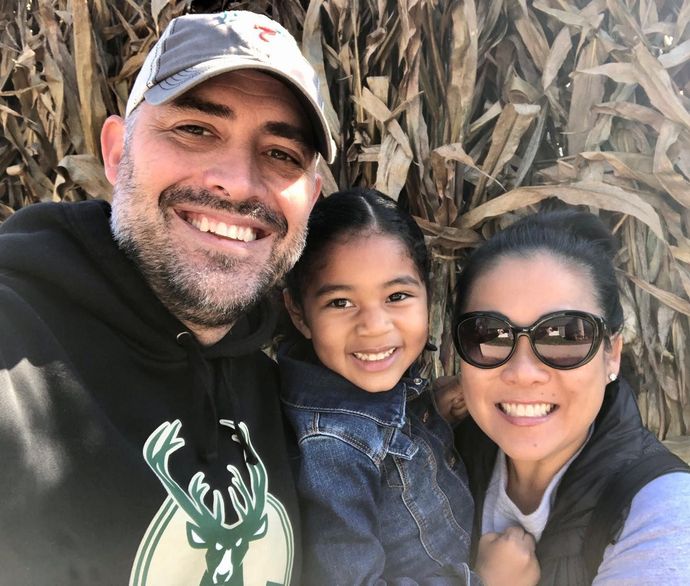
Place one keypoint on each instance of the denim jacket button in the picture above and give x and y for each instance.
(418, 381)
(425, 416)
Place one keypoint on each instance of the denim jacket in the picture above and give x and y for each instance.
(384, 495)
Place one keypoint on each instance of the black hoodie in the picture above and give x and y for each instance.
(120, 458)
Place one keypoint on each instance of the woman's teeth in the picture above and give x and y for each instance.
(527, 410)
(373, 357)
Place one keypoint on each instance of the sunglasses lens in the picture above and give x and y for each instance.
(565, 341)
(485, 340)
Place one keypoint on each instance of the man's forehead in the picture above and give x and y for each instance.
(249, 80)
(251, 83)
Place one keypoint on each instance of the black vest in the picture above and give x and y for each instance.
(618, 441)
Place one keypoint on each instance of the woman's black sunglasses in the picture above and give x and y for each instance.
(562, 340)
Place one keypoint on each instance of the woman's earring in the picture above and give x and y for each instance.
(612, 376)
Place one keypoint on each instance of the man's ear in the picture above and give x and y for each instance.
(112, 145)
(318, 184)
(296, 315)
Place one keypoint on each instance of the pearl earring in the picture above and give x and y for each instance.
(612, 376)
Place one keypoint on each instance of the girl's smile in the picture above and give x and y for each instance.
(365, 311)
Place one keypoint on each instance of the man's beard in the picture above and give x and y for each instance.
(213, 292)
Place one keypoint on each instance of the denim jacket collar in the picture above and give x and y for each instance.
(307, 392)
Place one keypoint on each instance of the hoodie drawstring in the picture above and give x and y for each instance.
(204, 412)
(237, 410)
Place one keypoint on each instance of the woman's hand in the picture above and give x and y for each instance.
(450, 399)
(508, 558)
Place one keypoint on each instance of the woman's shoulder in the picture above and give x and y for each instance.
(670, 482)
(666, 499)
(654, 544)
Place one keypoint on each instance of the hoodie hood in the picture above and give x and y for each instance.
(67, 252)
(70, 249)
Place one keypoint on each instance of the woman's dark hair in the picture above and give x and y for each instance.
(348, 214)
(578, 238)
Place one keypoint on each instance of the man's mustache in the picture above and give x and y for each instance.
(251, 208)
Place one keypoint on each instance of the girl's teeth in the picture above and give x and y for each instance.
(527, 410)
(374, 357)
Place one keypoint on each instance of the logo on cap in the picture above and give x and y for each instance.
(264, 32)
(223, 17)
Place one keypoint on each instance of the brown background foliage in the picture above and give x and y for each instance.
(470, 112)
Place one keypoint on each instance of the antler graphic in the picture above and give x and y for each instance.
(251, 509)
(225, 545)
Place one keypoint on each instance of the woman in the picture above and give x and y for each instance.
(537, 325)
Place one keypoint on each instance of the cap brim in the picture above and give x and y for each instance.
(176, 85)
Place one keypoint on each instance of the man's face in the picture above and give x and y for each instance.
(212, 193)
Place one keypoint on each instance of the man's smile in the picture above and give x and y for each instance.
(205, 223)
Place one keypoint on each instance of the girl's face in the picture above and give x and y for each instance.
(532, 411)
(365, 311)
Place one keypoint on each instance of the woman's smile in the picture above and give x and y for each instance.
(527, 411)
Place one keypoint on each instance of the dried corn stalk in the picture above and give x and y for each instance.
(471, 112)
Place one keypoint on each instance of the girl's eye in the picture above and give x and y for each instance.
(340, 303)
(399, 296)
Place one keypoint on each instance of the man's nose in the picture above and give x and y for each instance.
(233, 173)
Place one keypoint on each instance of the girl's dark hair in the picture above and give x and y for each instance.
(350, 213)
(578, 238)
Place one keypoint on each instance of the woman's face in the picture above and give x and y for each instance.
(532, 411)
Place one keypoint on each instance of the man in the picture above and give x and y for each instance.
(141, 439)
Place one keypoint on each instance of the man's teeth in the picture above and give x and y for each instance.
(373, 357)
(203, 224)
(527, 410)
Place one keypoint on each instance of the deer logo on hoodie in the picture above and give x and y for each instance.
(219, 553)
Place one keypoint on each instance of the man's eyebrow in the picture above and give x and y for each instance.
(291, 132)
(192, 102)
(282, 129)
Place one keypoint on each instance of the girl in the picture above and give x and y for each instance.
(384, 495)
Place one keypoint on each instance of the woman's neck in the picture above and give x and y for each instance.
(529, 479)
(527, 482)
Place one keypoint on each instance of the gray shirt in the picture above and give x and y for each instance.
(653, 547)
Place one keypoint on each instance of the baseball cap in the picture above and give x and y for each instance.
(197, 47)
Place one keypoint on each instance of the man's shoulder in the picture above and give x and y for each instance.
(15, 308)
(35, 215)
